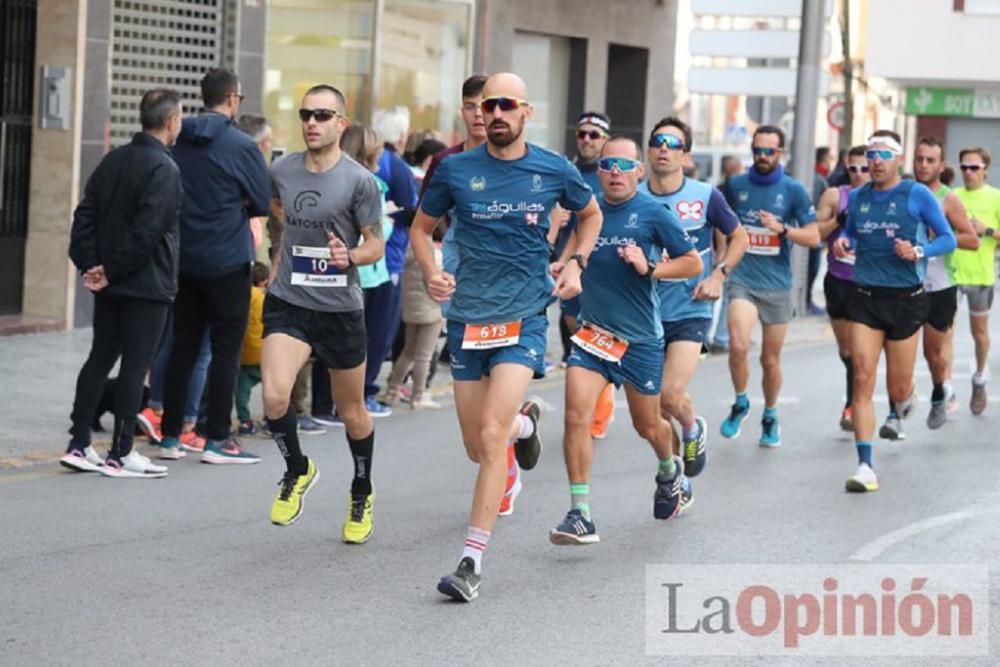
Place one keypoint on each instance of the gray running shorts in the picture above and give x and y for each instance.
(773, 305)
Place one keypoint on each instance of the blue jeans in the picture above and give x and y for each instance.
(197, 384)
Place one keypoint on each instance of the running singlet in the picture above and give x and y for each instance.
(839, 268)
(615, 297)
(700, 208)
(767, 263)
(501, 218)
(877, 218)
(341, 200)
(975, 267)
(940, 272)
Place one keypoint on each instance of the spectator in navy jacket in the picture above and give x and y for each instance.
(226, 182)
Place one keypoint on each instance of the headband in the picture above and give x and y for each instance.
(887, 143)
(596, 121)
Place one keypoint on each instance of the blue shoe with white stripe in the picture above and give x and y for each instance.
(574, 530)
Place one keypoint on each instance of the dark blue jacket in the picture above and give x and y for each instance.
(226, 182)
(403, 192)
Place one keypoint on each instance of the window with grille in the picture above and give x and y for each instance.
(164, 43)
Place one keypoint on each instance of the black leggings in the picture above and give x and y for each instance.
(124, 327)
(221, 304)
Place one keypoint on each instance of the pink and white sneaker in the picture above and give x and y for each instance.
(134, 465)
(85, 460)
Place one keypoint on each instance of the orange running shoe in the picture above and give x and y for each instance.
(150, 423)
(192, 442)
(604, 413)
(513, 484)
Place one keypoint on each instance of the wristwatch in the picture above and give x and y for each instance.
(723, 268)
(579, 260)
(784, 231)
(918, 250)
(650, 268)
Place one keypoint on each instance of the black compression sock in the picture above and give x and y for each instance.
(361, 451)
(285, 432)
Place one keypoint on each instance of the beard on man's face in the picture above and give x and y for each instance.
(765, 166)
(502, 133)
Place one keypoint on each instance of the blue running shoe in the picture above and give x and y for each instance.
(694, 450)
(730, 427)
(377, 410)
(667, 499)
(770, 432)
(575, 529)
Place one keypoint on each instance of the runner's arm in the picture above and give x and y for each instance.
(965, 233)
(736, 240)
(373, 248)
(685, 266)
(933, 216)
(826, 213)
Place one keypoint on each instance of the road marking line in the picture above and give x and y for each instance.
(877, 547)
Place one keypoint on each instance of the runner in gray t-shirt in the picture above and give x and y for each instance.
(340, 200)
(315, 306)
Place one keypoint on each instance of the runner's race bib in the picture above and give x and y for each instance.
(601, 343)
(311, 266)
(763, 241)
(489, 336)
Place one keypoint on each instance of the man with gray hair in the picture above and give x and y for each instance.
(385, 302)
(124, 241)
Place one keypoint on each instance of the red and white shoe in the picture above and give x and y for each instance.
(192, 442)
(151, 424)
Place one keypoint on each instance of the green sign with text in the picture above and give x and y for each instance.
(925, 101)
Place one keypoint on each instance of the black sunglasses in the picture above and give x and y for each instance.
(593, 134)
(321, 115)
(970, 167)
(858, 168)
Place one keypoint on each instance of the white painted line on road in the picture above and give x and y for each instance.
(877, 547)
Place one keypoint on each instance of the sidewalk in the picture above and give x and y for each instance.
(39, 372)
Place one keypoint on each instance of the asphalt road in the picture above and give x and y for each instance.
(189, 570)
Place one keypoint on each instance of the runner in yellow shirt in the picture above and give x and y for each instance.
(974, 269)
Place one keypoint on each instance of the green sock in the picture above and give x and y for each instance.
(579, 495)
(668, 467)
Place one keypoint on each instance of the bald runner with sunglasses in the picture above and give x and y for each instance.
(776, 211)
(500, 196)
(620, 338)
(838, 285)
(890, 222)
(314, 303)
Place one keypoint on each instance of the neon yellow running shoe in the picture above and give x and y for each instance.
(287, 507)
(358, 526)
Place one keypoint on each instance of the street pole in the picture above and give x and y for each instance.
(804, 132)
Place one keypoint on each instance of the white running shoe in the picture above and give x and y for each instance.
(133, 465)
(425, 403)
(86, 461)
(174, 453)
(863, 480)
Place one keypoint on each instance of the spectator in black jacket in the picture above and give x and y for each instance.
(124, 240)
(226, 182)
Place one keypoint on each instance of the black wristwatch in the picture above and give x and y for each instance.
(724, 268)
(650, 268)
(784, 231)
(579, 260)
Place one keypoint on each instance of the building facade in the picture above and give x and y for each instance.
(945, 67)
(77, 69)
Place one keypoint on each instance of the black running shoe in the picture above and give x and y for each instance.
(527, 450)
(463, 585)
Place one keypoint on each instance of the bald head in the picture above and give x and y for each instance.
(505, 84)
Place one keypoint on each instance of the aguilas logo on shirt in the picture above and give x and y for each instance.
(477, 183)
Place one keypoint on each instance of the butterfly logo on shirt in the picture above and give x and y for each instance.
(690, 210)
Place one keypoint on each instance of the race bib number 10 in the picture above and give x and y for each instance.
(600, 343)
(311, 266)
(763, 241)
(488, 336)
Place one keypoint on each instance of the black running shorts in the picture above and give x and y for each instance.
(941, 308)
(337, 339)
(898, 311)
